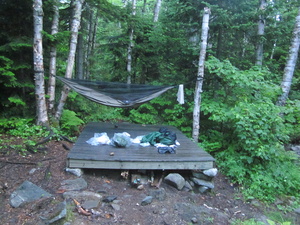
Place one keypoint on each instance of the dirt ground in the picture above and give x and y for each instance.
(223, 205)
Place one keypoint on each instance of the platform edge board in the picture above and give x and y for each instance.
(72, 163)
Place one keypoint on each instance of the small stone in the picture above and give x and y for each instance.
(155, 211)
(163, 211)
(194, 220)
(188, 186)
(115, 206)
(76, 172)
(203, 183)
(89, 204)
(175, 180)
(297, 210)
(112, 154)
(147, 200)
(211, 172)
(32, 171)
(201, 176)
(203, 189)
(109, 198)
(140, 187)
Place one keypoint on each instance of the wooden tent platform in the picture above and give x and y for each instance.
(83, 155)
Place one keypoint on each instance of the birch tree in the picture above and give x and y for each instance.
(38, 64)
(156, 10)
(291, 63)
(52, 63)
(261, 33)
(200, 74)
(130, 45)
(71, 58)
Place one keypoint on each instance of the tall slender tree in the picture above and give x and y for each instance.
(53, 54)
(291, 63)
(71, 58)
(38, 62)
(200, 75)
(156, 10)
(260, 33)
(130, 45)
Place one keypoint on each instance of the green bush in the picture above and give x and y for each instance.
(249, 131)
(70, 122)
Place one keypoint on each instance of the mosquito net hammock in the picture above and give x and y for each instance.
(118, 94)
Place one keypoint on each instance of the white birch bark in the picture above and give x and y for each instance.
(71, 58)
(52, 63)
(200, 75)
(130, 46)
(38, 64)
(291, 63)
(261, 33)
(156, 10)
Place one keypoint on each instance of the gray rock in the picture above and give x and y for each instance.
(159, 194)
(203, 189)
(297, 210)
(147, 200)
(74, 185)
(175, 180)
(26, 192)
(203, 183)
(32, 171)
(76, 172)
(89, 204)
(201, 176)
(194, 220)
(188, 186)
(211, 172)
(56, 213)
(109, 198)
(82, 196)
(115, 206)
(295, 148)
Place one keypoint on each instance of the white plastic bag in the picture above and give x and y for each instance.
(99, 138)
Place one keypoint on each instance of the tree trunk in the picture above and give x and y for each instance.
(71, 57)
(41, 109)
(156, 10)
(144, 6)
(261, 33)
(52, 63)
(89, 42)
(200, 75)
(291, 63)
(130, 46)
(80, 57)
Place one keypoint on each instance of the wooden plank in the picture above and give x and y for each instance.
(75, 163)
(188, 154)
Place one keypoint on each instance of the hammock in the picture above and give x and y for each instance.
(115, 94)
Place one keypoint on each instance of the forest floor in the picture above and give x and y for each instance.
(46, 169)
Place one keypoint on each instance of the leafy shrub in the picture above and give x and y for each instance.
(25, 131)
(70, 122)
(249, 132)
(23, 128)
(291, 115)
